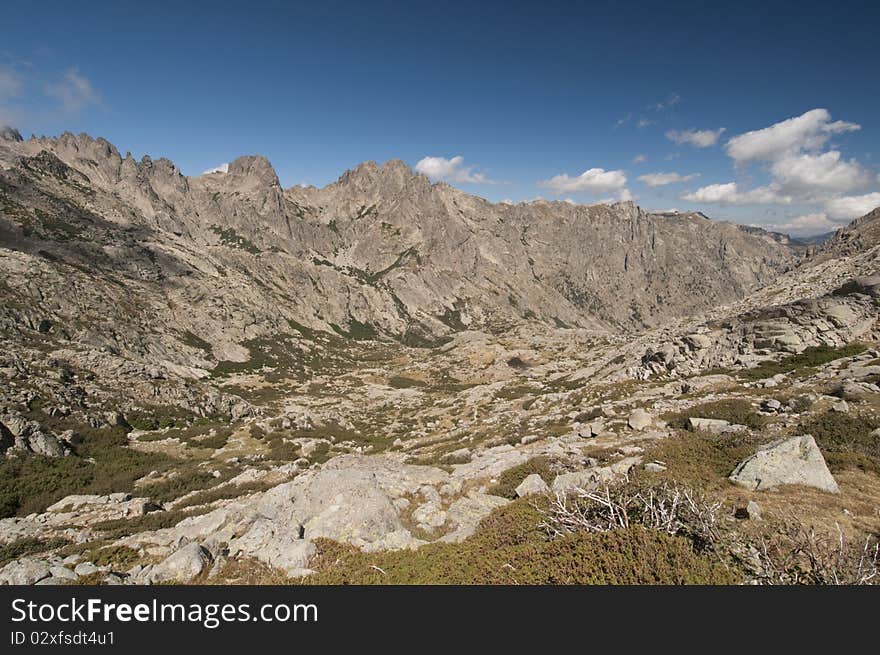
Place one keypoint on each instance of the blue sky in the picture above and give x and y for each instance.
(511, 101)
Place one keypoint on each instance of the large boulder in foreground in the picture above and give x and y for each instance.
(182, 565)
(796, 460)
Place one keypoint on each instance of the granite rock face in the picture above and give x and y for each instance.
(796, 460)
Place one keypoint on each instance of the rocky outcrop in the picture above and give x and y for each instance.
(532, 484)
(841, 316)
(25, 571)
(181, 566)
(714, 426)
(796, 460)
(21, 434)
(860, 235)
(10, 134)
(383, 245)
(353, 499)
(592, 477)
(639, 419)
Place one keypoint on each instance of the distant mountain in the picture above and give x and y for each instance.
(9, 134)
(814, 240)
(380, 251)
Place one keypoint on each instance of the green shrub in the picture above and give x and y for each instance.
(282, 451)
(224, 492)
(188, 479)
(734, 410)
(118, 528)
(514, 392)
(103, 464)
(160, 417)
(194, 341)
(512, 477)
(229, 237)
(845, 440)
(699, 459)
(117, 557)
(199, 435)
(509, 548)
(215, 440)
(28, 546)
(401, 382)
(805, 361)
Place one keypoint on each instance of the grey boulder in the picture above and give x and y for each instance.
(533, 484)
(182, 565)
(639, 419)
(24, 571)
(796, 460)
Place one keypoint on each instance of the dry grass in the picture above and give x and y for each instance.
(856, 509)
(248, 571)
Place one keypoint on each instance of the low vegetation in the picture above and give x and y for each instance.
(229, 237)
(804, 362)
(118, 528)
(509, 548)
(160, 417)
(704, 460)
(28, 546)
(737, 411)
(788, 552)
(199, 435)
(402, 382)
(845, 440)
(103, 464)
(223, 493)
(510, 479)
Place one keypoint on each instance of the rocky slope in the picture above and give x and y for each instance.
(144, 282)
(858, 236)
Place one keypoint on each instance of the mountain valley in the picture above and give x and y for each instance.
(387, 380)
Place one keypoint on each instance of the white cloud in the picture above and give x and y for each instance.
(799, 169)
(730, 194)
(662, 179)
(73, 91)
(806, 224)
(809, 174)
(593, 180)
(810, 131)
(850, 207)
(224, 168)
(644, 122)
(639, 159)
(696, 138)
(450, 170)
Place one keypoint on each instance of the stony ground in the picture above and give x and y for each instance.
(394, 449)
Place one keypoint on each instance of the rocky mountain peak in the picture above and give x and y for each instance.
(397, 166)
(394, 174)
(8, 133)
(254, 168)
